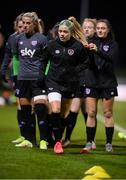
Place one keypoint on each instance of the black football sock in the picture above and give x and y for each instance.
(33, 128)
(26, 121)
(109, 134)
(19, 118)
(41, 111)
(56, 123)
(63, 125)
(90, 133)
(50, 135)
(71, 121)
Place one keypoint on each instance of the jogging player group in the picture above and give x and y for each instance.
(56, 75)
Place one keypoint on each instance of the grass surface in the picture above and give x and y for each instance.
(26, 163)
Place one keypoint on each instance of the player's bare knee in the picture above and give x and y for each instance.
(108, 114)
(92, 114)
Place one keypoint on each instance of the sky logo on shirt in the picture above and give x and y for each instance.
(27, 52)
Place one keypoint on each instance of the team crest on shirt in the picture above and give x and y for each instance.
(57, 51)
(106, 48)
(21, 42)
(70, 52)
(87, 91)
(34, 43)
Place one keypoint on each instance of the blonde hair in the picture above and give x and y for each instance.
(92, 20)
(67, 23)
(78, 31)
(36, 21)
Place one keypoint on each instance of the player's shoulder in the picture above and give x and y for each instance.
(41, 35)
(12, 36)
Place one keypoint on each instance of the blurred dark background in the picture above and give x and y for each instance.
(52, 11)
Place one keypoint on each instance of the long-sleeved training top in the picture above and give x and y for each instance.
(29, 51)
